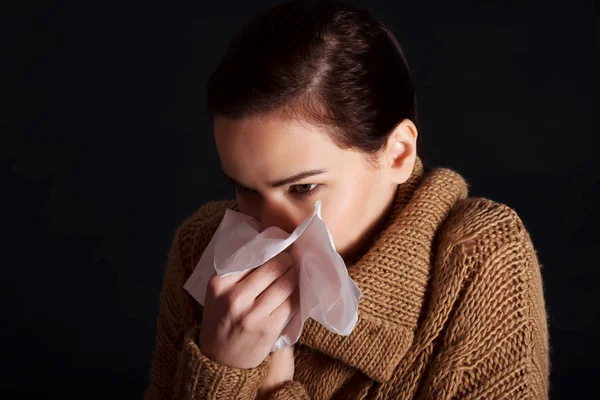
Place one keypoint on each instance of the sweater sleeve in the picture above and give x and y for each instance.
(179, 369)
(497, 343)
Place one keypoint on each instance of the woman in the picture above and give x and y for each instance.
(314, 101)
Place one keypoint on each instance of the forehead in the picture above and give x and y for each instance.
(275, 133)
(269, 142)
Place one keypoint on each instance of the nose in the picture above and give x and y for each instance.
(278, 215)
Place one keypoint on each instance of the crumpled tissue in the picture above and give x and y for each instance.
(327, 293)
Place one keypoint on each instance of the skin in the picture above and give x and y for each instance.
(245, 312)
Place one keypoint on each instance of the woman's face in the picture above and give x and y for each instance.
(282, 167)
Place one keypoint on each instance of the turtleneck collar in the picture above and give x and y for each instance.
(393, 276)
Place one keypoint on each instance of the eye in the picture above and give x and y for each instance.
(303, 190)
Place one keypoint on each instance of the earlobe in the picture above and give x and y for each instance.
(403, 167)
(402, 145)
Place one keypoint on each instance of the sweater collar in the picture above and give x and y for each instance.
(393, 276)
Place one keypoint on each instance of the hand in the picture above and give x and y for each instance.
(244, 313)
(280, 371)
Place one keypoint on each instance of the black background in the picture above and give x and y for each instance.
(106, 148)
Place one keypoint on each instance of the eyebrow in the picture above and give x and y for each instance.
(286, 181)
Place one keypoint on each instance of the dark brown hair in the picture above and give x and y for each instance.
(323, 62)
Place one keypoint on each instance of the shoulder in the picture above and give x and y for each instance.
(485, 245)
(489, 276)
(486, 291)
(482, 228)
(194, 233)
(488, 254)
(474, 218)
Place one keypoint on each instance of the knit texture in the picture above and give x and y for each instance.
(452, 307)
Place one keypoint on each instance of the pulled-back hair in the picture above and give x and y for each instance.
(323, 62)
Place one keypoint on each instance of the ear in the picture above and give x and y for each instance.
(401, 151)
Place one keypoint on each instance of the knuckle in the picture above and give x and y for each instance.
(214, 283)
(285, 284)
(278, 264)
(233, 301)
(248, 322)
(273, 266)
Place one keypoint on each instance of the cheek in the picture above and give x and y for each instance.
(344, 213)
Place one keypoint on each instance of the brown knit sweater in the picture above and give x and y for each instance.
(452, 307)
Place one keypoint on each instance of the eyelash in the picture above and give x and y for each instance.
(311, 192)
(300, 195)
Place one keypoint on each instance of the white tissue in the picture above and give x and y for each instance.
(327, 293)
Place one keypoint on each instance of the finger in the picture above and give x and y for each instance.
(218, 285)
(277, 293)
(235, 277)
(262, 277)
(284, 311)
